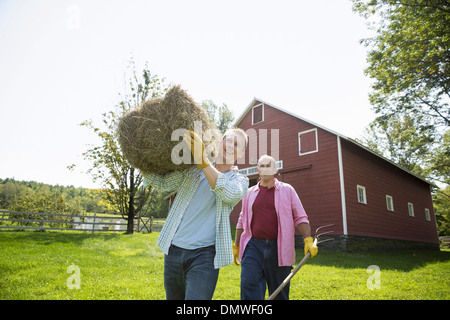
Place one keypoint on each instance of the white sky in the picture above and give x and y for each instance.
(63, 62)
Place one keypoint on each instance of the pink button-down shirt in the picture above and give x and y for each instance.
(290, 213)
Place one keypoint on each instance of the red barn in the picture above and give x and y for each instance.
(372, 202)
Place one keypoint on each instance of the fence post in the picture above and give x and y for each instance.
(93, 223)
(43, 219)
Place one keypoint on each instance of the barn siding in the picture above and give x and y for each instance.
(316, 179)
(314, 176)
(380, 178)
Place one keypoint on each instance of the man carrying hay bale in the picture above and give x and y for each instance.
(196, 238)
(147, 134)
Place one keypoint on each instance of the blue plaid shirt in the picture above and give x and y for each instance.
(230, 188)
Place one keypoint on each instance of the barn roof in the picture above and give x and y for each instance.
(255, 99)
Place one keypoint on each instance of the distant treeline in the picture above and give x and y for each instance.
(31, 196)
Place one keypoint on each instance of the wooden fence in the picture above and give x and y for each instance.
(55, 221)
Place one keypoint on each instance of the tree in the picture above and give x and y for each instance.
(409, 58)
(442, 209)
(9, 191)
(438, 161)
(123, 184)
(43, 200)
(402, 140)
(25, 195)
(222, 116)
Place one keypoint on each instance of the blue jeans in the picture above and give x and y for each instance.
(259, 266)
(190, 274)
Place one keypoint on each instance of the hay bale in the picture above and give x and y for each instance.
(144, 134)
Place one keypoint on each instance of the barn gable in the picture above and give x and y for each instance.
(330, 171)
(304, 165)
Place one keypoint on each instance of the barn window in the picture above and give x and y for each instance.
(279, 164)
(389, 203)
(258, 113)
(427, 214)
(253, 170)
(411, 209)
(361, 194)
(307, 142)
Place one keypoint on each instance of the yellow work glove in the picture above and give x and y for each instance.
(310, 246)
(197, 148)
(236, 255)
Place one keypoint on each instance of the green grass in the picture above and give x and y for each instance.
(33, 265)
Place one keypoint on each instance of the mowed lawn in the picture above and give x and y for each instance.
(47, 265)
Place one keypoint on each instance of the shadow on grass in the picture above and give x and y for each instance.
(402, 261)
(47, 238)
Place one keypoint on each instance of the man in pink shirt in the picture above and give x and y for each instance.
(265, 232)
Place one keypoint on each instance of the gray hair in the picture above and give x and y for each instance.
(265, 157)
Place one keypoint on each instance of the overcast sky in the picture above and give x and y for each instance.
(62, 62)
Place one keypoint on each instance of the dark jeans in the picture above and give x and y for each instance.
(190, 274)
(259, 266)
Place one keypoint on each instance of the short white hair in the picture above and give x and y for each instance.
(265, 157)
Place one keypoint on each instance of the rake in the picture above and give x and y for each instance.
(306, 257)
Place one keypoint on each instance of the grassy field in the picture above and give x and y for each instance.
(37, 265)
